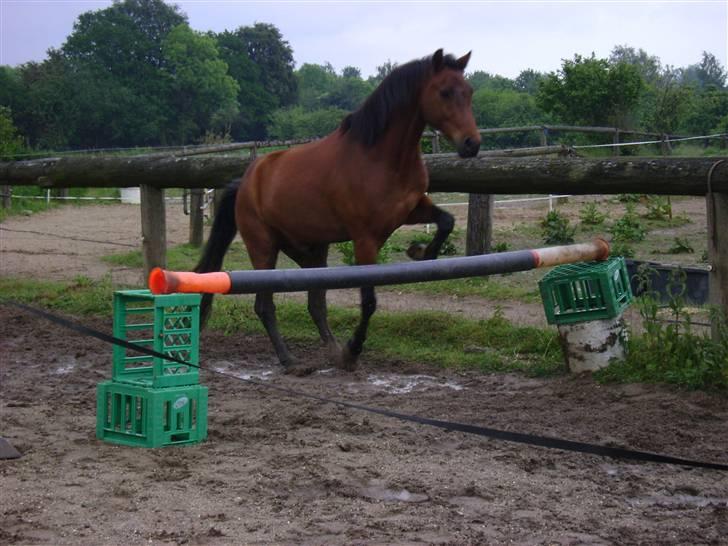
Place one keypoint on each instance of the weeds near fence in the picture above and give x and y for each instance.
(670, 350)
(628, 228)
(556, 229)
(591, 216)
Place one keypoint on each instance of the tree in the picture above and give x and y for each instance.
(383, 70)
(203, 94)
(125, 39)
(47, 111)
(665, 103)
(708, 72)
(116, 57)
(590, 91)
(480, 80)
(296, 122)
(315, 82)
(255, 103)
(351, 72)
(10, 141)
(273, 55)
(648, 66)
(528, 81)
(706, 111)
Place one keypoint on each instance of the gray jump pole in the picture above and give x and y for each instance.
(295, 280)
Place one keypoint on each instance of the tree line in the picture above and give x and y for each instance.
(136, 74)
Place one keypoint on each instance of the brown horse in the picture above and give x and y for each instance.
(359, 183)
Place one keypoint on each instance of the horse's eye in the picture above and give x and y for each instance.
(446, 93)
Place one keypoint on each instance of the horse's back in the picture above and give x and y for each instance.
(294, 192)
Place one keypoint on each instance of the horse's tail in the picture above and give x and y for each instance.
(222, 234)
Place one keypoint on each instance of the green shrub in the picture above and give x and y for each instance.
(669, 350)
(658, 208)
(347, 252)
(628, 228)
(618, 248)
(556, 230)
(681, 246)
(591, 216)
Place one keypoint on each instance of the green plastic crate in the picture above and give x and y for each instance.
(169, 324)
(586, 291)
(132, 415)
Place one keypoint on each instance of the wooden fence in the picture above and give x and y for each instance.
(481, 175)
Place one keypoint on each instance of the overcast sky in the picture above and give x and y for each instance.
(506, 37)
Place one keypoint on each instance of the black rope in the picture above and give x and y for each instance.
(529, 439)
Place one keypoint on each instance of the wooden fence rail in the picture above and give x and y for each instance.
(701, 176)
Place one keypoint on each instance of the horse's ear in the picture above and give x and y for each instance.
(462, 62)
(438, 60)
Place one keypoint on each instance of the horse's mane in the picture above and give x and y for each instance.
(369, 122)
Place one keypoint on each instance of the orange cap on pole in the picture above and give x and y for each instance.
(170, 282)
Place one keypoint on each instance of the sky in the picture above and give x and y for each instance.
(506, 37)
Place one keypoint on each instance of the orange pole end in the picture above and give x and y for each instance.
(170, 282)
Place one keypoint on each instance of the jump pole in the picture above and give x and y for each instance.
(296, 280)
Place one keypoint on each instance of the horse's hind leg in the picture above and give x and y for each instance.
(424, 213)
(316, 257)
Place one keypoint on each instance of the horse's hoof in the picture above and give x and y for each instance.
(348, 361)
(416, 251)
(300, 370)
(334, 350)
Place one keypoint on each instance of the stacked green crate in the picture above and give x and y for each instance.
(586, 291)
(152, 401)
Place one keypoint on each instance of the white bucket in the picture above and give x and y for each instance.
(131, 196)
(589, 346)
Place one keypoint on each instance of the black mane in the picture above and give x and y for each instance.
(370, 121)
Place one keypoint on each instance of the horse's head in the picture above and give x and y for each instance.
(446, 103)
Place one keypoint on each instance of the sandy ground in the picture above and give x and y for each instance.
(278, 469)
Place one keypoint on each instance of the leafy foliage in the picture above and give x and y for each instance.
(628, 228)
(556, 229)
(346, 249)
(590, 91)
(670, 350)
(10, 141)
(591, 216)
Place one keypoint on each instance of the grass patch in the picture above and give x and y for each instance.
(82, 296)
(492, 345)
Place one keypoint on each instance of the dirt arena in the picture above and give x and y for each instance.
(278, 469)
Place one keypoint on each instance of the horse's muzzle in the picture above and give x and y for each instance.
(469, 147)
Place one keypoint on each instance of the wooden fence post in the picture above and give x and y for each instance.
(615, 140)
(717, 208)
(154, 228)
(7, 192)
(479, 237)
(435, 142)
(197, 196)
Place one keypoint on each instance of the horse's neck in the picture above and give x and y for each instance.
(400, 144)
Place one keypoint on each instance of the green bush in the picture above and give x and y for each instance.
(670, 350)
(681, 246)
(658, 208)
(628, 228)
(347, 252)
(556, 230)
(591, 216)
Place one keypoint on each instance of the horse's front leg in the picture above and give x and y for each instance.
(427, 213)
(365, 252)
